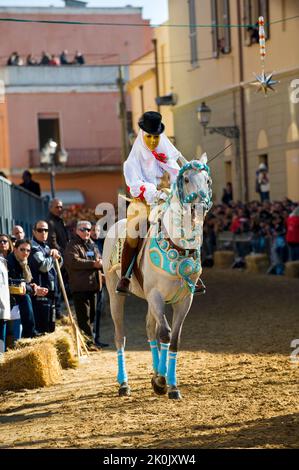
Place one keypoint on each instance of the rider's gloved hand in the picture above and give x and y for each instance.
(161, 196)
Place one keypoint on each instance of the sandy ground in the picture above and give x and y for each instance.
(238, 385)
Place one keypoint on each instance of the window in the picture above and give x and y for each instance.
(263, 159)
(253, 9)
(193, 33)
(221, 29)
(48, 128)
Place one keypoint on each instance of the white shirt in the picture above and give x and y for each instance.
(143, 171)
(4, 291)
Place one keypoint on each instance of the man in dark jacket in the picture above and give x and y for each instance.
(58, 234)
(83, 263)
(41, 262)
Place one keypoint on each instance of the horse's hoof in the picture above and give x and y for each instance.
(161, 387)
(174, 395)
(124, 390)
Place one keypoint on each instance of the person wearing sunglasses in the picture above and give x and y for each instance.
(42, 265)
(83, 263)
(6, 245)
(20, 275)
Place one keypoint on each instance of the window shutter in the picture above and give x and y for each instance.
(193, 33)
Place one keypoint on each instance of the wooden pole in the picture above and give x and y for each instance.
(78, 336)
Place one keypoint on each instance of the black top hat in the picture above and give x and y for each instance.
(150, 122)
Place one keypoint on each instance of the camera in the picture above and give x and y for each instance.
(17, 286)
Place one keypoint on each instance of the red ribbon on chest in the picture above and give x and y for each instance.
(161, 157)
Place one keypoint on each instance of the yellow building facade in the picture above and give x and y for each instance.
(143, 77)
(215, 65)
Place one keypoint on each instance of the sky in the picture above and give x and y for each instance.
(154, 10)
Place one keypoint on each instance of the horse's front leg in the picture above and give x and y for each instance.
(158, 383)
(156, 310)
(180, 311)
(117, 313)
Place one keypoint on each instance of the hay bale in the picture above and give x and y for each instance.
(257, 263)
(292, 269)
(30, 367)
(64, 345)
(62, 340)
(223, 259)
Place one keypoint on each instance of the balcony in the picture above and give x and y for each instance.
(61, 76)
(84, 158)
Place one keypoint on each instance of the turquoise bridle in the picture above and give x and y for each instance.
(201, 196)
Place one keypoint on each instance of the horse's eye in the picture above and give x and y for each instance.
(186, 179)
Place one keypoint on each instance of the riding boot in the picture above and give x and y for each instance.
(128, 255)
(200, 288)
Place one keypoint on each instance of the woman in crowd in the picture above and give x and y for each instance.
(6, 245)
(18, 270)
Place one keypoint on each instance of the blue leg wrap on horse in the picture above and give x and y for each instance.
(155, 354)
(162, 369)
(171, 373)
(122, 373)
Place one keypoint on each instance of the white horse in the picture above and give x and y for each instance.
(169, 263)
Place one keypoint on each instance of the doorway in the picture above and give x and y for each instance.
(48, 128)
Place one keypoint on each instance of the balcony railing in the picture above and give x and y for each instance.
(90, 157)
(67, 76)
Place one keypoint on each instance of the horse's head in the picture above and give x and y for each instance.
(194, 185)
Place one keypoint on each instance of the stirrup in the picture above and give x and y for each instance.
(123, 286)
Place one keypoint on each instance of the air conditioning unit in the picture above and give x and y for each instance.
(167, 100)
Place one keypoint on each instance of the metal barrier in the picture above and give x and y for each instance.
(19, 207)
(240, 243)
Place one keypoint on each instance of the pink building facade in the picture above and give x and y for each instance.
(76, 105)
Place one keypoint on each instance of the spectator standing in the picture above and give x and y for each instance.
(17, 233)
(227, 195)
(63, 58)
(263, 183)
(30, 184)
(58, 233)
(95, 236)
(292, 235)
(45, 58)
(12, 60)
(5, 315)
(30, 60)
(54, 60)
(83, 264)
(79, 58)
(41, 263)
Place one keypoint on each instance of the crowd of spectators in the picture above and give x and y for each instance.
(46, 59)
(30, 263)
(267, 227)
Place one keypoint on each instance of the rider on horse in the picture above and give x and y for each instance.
(149, 169)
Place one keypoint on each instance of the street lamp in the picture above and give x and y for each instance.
(50, 158)
(232, 132)
(204, 115)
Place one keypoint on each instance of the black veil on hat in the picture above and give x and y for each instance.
(150, 122)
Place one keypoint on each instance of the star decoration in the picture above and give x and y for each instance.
(265, 82)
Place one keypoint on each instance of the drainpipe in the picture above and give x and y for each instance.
(242, 106)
